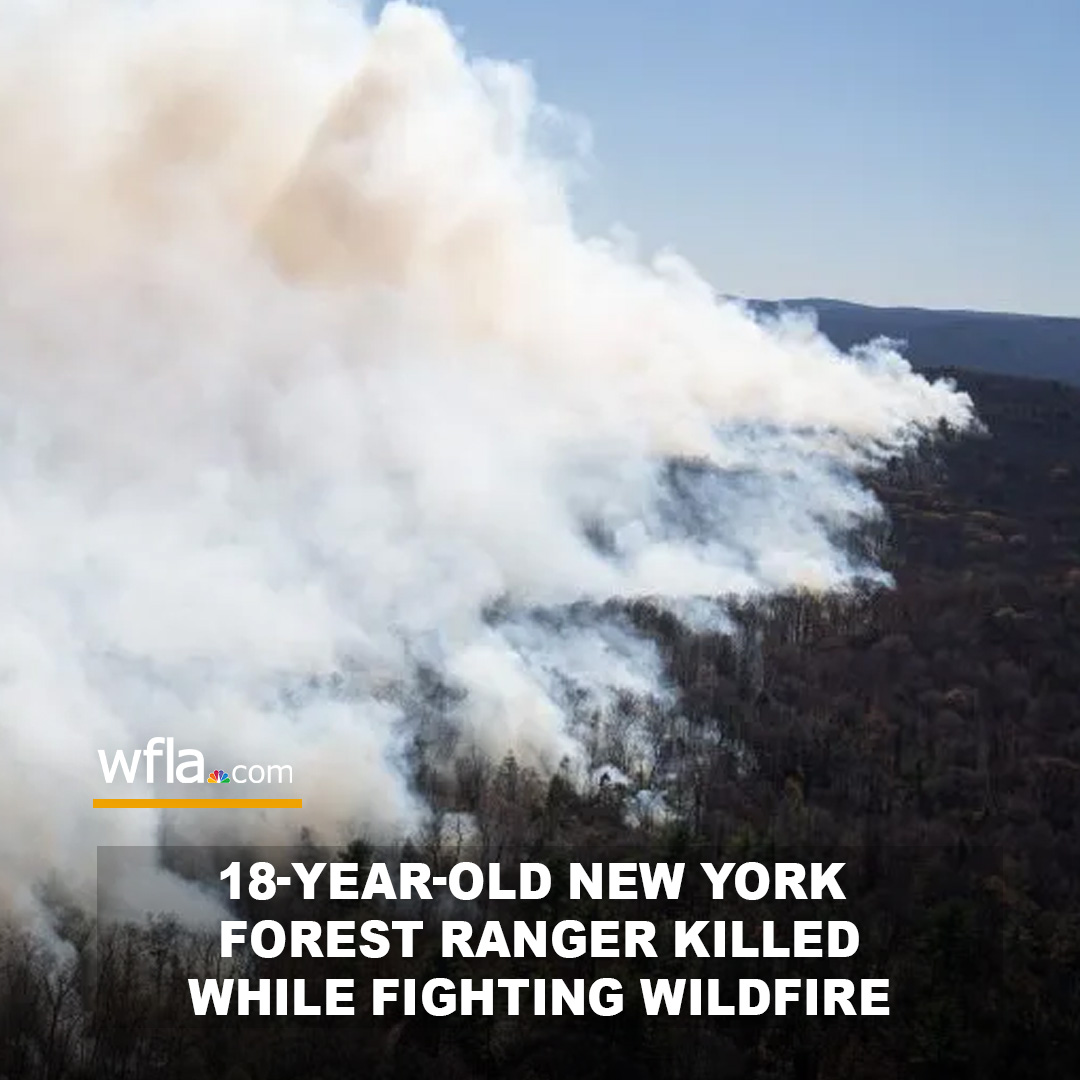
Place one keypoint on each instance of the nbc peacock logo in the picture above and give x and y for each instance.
(218, 776)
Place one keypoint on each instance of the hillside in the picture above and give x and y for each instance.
(1038, 346)
(929, 736)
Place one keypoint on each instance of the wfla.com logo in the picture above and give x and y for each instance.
(185, 767)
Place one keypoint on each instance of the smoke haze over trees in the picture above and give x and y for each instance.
(929, 734)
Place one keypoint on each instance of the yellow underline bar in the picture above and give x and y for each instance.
(198, 804)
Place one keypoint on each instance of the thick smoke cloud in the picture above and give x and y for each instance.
(308, 388)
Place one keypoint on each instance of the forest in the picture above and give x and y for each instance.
(927, 734)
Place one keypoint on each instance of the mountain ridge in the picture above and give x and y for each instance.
(1001, 343)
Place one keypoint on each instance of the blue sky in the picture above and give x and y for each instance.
(924, 152)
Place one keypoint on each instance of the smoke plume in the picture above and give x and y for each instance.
(310, 393)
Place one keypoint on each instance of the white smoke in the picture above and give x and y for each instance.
(305, 373)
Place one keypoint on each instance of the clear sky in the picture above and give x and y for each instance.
(919, 152)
